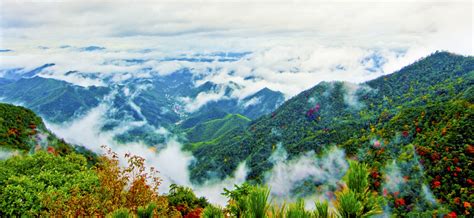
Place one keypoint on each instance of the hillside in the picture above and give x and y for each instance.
(174, 102)
(357, 117)
(56, 100)
(211, 130)
(411, 130)
(22, 131)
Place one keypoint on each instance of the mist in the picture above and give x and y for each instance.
(168, 158)
(172, 161)
(289, 176)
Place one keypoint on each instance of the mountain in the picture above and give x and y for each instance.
(174, 101)
(56, 100)
(211, 130)
(361, 119)
(412, 128)
(18, 73)
(22, 131)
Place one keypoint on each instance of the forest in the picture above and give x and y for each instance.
(407, 137)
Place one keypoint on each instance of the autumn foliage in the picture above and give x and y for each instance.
(52, 185)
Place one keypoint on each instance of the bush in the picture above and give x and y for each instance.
(121, 213)
(356, 199)
(297, 210)
(213, 212)
(322, 209)
(257, 202)
(348, 205)
(147, 212)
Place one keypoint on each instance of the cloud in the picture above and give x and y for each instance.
(252, 101)
(212, 24)
(393, 178)
(293, 45)
(5, 154)
(193, 104)
(75, 79)
(286, 175)
(289, 69)
(168, 158)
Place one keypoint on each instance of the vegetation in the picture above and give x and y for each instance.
(55, 185)
(21, 130)
(416, 121)
(57, 100)
(407, 136)
(18, 126)
(185, 201)
(214, 129)
(297, 210)
(322, 209)
(257, 202)
(356, 200)
(213, 212)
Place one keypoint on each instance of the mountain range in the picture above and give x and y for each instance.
(412, 127)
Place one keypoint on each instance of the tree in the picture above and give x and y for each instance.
(356, 199)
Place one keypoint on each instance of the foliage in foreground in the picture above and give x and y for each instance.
(52, 185)
(357, 200)
(353, 200)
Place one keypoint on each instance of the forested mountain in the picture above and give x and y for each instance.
(425, 107)
(212, 130)
(175, 101)
(57, 100)
(22, 131)
(411, 130)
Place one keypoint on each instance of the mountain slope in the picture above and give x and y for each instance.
(383, 122)
(343, 109)
(21, 130)
(172, 101)
(56, 100)
(214, 129)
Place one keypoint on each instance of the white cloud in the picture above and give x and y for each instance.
(295, 45)
(80, 81)
(170, 161)
(193, 104)
(201, 25)
(286, 174)
(252, 101)
(5, 154)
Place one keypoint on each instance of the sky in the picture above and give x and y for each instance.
(296, 42)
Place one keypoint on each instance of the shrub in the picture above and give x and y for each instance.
(257, 201)
(146, 212)
(322, 209)
(297, 210)
(356, 199)
(213, 212)
(121, 213)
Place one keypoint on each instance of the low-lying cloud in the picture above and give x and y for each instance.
(168, 158)
(287, 69)
(324, 172)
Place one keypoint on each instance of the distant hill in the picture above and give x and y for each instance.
(155, 102)
(211, 130)
(56, 100)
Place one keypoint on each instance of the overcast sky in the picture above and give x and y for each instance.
(294, 44)
(238, 24)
